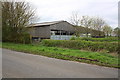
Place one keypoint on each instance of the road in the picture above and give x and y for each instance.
(22, 65)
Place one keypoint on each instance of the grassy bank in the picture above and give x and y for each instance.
(67, 54)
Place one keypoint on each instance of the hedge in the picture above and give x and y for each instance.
(81, 44)
(108, 39)
(23, 38)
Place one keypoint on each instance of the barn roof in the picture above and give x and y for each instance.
(45, 23)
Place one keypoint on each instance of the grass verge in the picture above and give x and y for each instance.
(102, 59)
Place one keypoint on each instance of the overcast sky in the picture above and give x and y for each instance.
(55, 10)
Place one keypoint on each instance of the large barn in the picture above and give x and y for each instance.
(59, 30)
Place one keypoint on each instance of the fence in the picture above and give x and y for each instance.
(61, 37)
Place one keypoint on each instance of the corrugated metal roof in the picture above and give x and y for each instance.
(45, 23)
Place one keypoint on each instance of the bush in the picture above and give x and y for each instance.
(80, 44)
(26, 38)
(18, 38)
(72, 38)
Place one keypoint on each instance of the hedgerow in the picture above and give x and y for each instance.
(108, 39)
(81, 44)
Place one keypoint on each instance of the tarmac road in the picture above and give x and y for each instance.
(22, 65)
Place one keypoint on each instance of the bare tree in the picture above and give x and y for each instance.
(86, 22)
(98, 23)
(75, 18)
(107, 30)
(16, 16)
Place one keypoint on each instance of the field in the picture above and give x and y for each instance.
(98, 58)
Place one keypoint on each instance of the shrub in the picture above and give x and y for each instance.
(72, 38)
(26, 38)
(19, 38)
(80, 44)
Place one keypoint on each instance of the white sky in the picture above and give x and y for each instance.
(55, 10)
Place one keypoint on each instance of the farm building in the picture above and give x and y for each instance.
(59, 30)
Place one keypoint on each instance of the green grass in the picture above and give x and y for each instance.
(102, 59)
